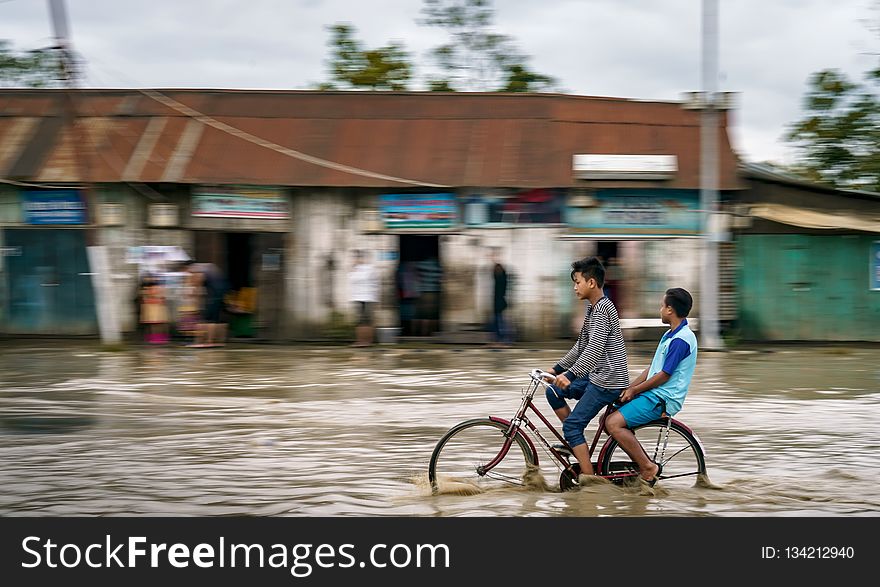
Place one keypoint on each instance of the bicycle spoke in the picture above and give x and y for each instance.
(690, 474)
(506, 478)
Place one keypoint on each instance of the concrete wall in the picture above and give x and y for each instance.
(327, 223)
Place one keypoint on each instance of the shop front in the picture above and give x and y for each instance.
(48, 287)
(648, 240)
(420, 222)
(242, 231)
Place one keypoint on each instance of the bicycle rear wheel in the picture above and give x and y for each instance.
(682, 456)
(459, 457)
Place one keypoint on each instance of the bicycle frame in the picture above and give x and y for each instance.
(660, 436)
(520, 420)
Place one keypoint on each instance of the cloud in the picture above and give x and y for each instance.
(636, 49)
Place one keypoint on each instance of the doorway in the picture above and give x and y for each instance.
(609, 253)
(419, 284)
(49, 283)
(252, 262)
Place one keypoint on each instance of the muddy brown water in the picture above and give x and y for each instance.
(271, 430)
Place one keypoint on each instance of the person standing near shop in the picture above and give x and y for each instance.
(212, 330)
(428, 306)
(364, 283)
(500, 327)
(154, 311)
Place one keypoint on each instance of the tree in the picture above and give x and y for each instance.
(385, 68)
(520, 79)
(839, 138)
(475, 58)
(37, 68)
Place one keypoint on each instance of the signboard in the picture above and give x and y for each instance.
(239, 202)
(53, 207)
(111, 214)
(418, 210)
(635, 211)
(536, 206)
(589, 166)
(875, 266)
(155, 254)
(162, 215)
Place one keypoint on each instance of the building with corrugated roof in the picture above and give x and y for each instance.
(278, 188)
(807, 259)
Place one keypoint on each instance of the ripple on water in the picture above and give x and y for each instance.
(325, 431)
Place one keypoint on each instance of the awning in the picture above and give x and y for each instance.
(824, 220)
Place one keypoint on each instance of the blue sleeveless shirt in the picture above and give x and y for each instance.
(674, 391)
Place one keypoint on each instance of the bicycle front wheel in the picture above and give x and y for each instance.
(680, 454)
(460, 457)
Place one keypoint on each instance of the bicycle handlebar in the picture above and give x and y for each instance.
(542, 376)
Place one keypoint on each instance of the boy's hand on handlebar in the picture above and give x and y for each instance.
(550, 379)
(562, 381)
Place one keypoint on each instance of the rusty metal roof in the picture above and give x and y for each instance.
(257, 137)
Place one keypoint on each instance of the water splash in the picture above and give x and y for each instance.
(703, 482)
(444, 486)
(534, 480)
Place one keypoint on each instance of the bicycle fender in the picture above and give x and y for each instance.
(520, 433)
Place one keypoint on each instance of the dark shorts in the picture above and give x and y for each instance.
(212, 311)
(365, 313)
(428, 306)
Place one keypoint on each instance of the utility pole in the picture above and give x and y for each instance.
(70, 82)
(710, 338)
(99, 261)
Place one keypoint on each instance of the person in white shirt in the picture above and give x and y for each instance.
(364, 283)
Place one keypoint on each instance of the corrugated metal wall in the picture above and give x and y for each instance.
(801, 287)
(727, 281)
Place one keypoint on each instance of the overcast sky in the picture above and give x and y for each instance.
(647, 49)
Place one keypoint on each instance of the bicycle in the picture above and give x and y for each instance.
(478, 453)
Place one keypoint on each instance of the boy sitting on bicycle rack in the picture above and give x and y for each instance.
(660, 388)
(594, 372)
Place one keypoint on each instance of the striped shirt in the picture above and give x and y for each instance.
(599, 351)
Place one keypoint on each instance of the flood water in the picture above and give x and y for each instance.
(271, 430)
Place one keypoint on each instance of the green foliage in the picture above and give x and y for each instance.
(338, 328)
(440, 86)
(839, 137)
(520, 79)
(385, 68)
(476, 59)
(38, 68)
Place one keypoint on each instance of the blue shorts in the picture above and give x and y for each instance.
(590, 400)
(645, 407)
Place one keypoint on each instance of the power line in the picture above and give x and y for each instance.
(222, 126)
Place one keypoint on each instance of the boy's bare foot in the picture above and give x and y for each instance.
(650, 475)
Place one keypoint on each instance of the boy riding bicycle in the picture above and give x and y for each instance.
(660, 388)
(594, 372)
